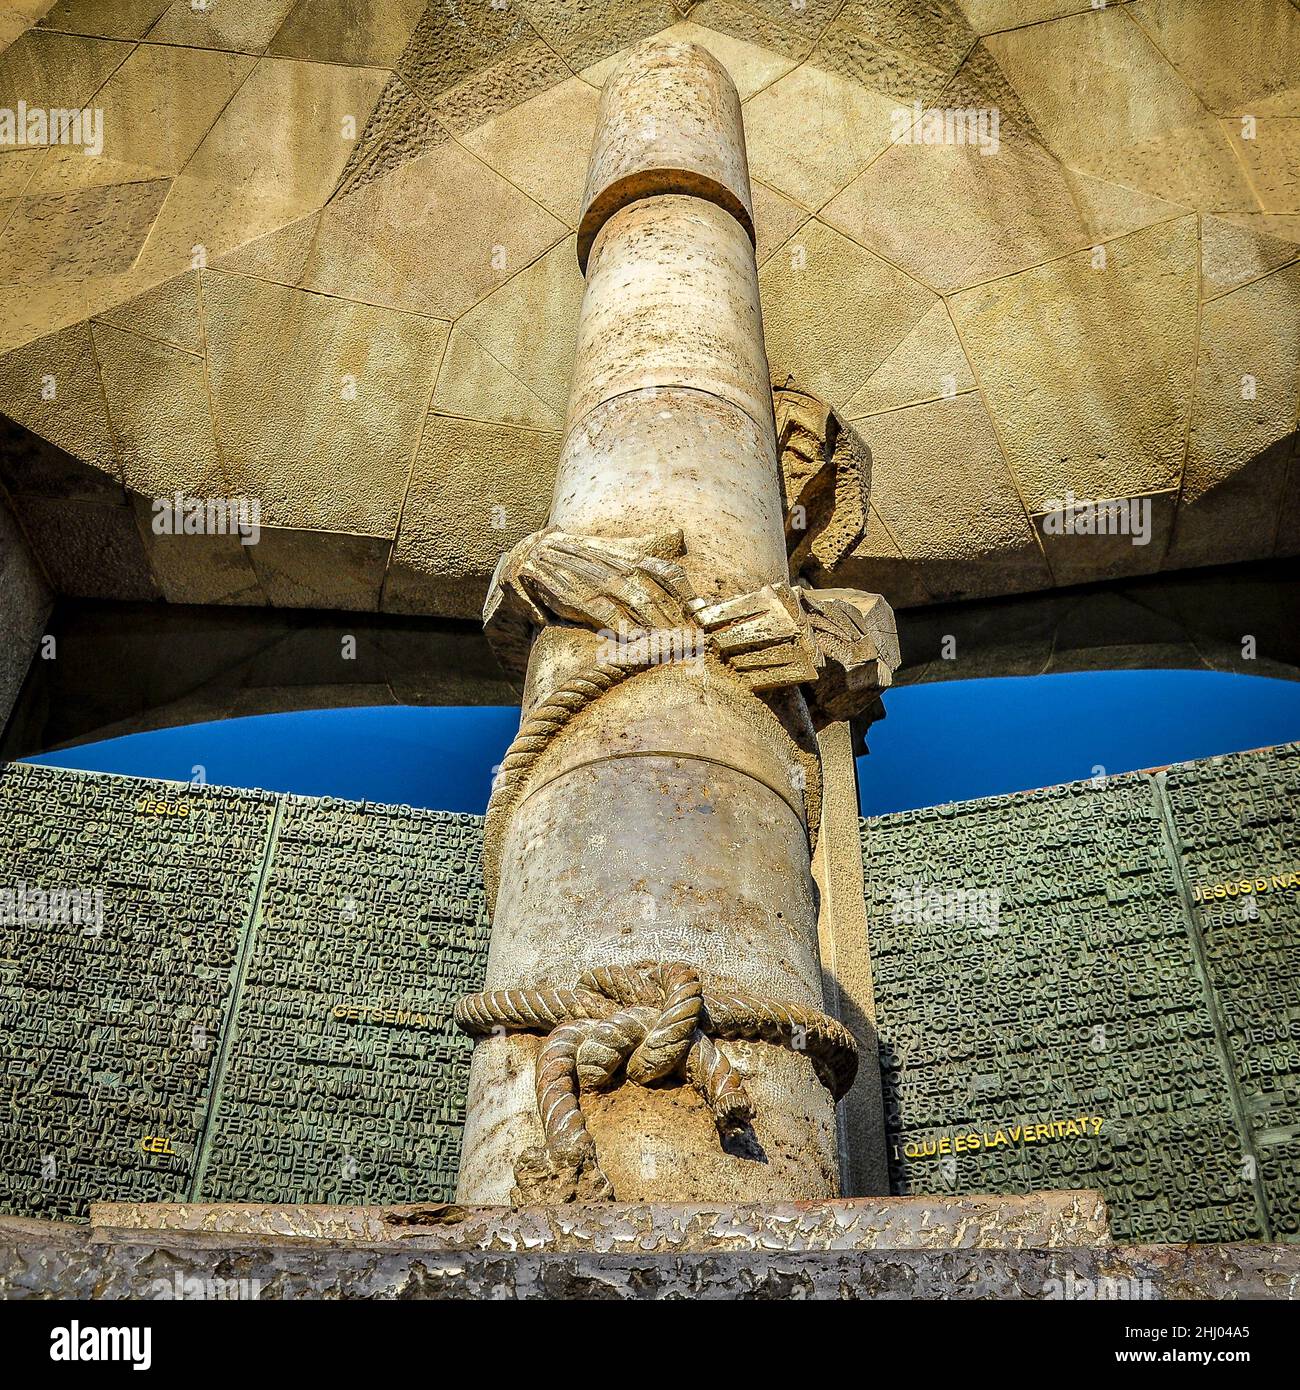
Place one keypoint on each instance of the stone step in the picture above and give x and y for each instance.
(1043, 1220)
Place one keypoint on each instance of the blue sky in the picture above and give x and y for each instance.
(947, 741)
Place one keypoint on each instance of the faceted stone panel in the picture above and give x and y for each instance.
(329, 444)
(497, 481)
(1088, 366)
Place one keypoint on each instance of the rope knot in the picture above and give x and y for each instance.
(650, 1020)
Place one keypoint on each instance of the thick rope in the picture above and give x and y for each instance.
(536, 731)
(650, 1020)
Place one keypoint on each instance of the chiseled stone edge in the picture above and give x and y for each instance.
(68, 1262)
(1041, 1220)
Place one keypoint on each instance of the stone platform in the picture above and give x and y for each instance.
(1043, 1220)
(1046, 1246)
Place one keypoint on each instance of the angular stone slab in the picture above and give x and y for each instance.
(1045, 1220)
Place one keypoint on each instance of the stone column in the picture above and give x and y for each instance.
(651, 822)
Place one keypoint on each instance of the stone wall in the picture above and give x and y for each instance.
(263, 1014)
(364, 317)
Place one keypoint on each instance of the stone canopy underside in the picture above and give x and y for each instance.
(383, 196)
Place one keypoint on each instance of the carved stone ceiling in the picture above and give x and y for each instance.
(380, 197)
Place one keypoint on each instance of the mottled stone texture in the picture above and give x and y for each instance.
(255, 1004)
(38, 1260)
(661, 818)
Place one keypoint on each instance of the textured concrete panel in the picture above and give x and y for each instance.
(498, 480)
(157, 107)
(1113, 365)
(330, 449)
(1242, 431)
(820, 285)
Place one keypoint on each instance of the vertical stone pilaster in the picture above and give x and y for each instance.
(846, 964)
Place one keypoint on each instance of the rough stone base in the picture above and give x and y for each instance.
(1048, 1246)
(1045, 1219)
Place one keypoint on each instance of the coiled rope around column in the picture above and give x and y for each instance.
(650, 1020)
(536, 731)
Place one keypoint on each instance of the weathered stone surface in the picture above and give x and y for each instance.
(448, 45)
(483, 228)
(585, 31)
(361, 382)
(169, 313)
(47, 388)
(1042, 1220)
(540, 146)
(908, 50)
(751, 67)
(80, 234)
(1237, 58)
(65, 1262)
(59, 70)
(1010, 210)
(489, 472)
(1133, 544)
(812, 131)
(157, 108)
(524, 381)
(1109, 103)
(127, 19)
(1243, 247)
(928, 364)
(89, 549)
(157, 398)
(776, 218)
(246, 28)
(1242, 431)
(814, 290)
(960, 555)
(206, 568)
(304, 569)
(371, 32)
(1272, 155)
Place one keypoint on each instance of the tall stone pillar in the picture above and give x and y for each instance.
(653, 1024)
